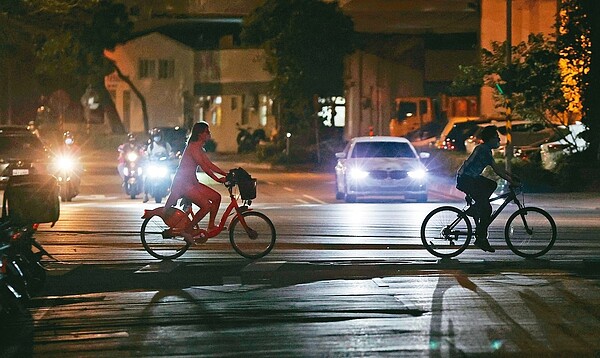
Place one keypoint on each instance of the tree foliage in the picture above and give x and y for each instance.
(575, 44)
(530, 84)
(69, 38)
(305, 43)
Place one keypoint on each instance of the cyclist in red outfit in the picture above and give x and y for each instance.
(186, 184)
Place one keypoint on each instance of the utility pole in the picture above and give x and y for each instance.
(508, 149)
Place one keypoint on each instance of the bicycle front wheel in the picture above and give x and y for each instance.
(255, 242)
(164, 248)
(446, 232)
(530, 232)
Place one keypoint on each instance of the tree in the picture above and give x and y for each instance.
(305, 43)
(575, 44)
(530, 84)
(69, 40)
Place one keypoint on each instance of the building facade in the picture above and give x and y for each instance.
(181, 86)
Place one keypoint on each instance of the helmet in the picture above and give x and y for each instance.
(68, 138)
(156, 135)
(130, 137)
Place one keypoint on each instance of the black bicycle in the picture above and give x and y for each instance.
(529, 232)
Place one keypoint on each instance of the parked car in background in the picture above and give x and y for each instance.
(571, 143)
(458, 133)
(527, 136)
(380, 166)
(451, 124)
(21, 153)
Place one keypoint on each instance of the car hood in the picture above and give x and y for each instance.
(385, 163)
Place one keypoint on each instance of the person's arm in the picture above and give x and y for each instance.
(209, 167)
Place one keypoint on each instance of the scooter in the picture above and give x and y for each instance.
(68, 173)
(132, 174)
(158, 178)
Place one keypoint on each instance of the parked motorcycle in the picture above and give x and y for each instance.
(12, 282)
(248, 140)
(133, 174)
(158, 178)
(68, 172)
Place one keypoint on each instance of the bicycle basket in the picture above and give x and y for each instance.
(247, 189)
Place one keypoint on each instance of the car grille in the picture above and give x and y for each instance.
(385, 174)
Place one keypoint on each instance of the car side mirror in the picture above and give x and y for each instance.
(340, 155)
(424, 155)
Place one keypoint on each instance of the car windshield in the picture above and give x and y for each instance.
(382, 150)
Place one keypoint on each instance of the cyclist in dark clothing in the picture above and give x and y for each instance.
(470, 181)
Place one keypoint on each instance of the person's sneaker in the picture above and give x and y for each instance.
(484, 244)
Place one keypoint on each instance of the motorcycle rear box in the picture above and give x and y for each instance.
(30, 199)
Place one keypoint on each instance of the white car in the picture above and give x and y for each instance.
(380, 166)
(571, 143)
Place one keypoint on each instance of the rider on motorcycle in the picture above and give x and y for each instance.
(156, 150)
(124, 149)
(70, 153)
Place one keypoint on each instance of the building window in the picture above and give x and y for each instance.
(146, 68)
(166, 69)
(263, 110)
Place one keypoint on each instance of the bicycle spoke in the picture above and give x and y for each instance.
(255, 242)
(445, 232)
(530, 232)
(159, 246)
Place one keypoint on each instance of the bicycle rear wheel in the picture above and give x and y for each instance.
(162, 248)
(261, 239)
(530, 232)
(446, 232)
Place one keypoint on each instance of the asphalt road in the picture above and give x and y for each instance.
(343, 280)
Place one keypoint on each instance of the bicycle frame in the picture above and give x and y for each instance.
(509, 196)
(233, 205)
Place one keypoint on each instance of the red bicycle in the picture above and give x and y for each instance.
(251, 233)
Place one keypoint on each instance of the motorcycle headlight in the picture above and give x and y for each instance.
(64, 162)
(158, 171)
(132, 156)
(417, 174)
(358, 173)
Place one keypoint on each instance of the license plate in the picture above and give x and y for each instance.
(20, 172)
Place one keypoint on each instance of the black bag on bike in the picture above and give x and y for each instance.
(31, 199)
(246, 184)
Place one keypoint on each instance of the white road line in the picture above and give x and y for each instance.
(302, 201)
(314, 199)
(288, 189)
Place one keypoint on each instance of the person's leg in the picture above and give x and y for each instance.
(215, 200)
(198, 197)
(484, 189)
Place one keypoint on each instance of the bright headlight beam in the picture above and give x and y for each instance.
(357, 173)
(417, 174)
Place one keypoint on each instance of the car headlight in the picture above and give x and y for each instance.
(358, 174)
(417, 174)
